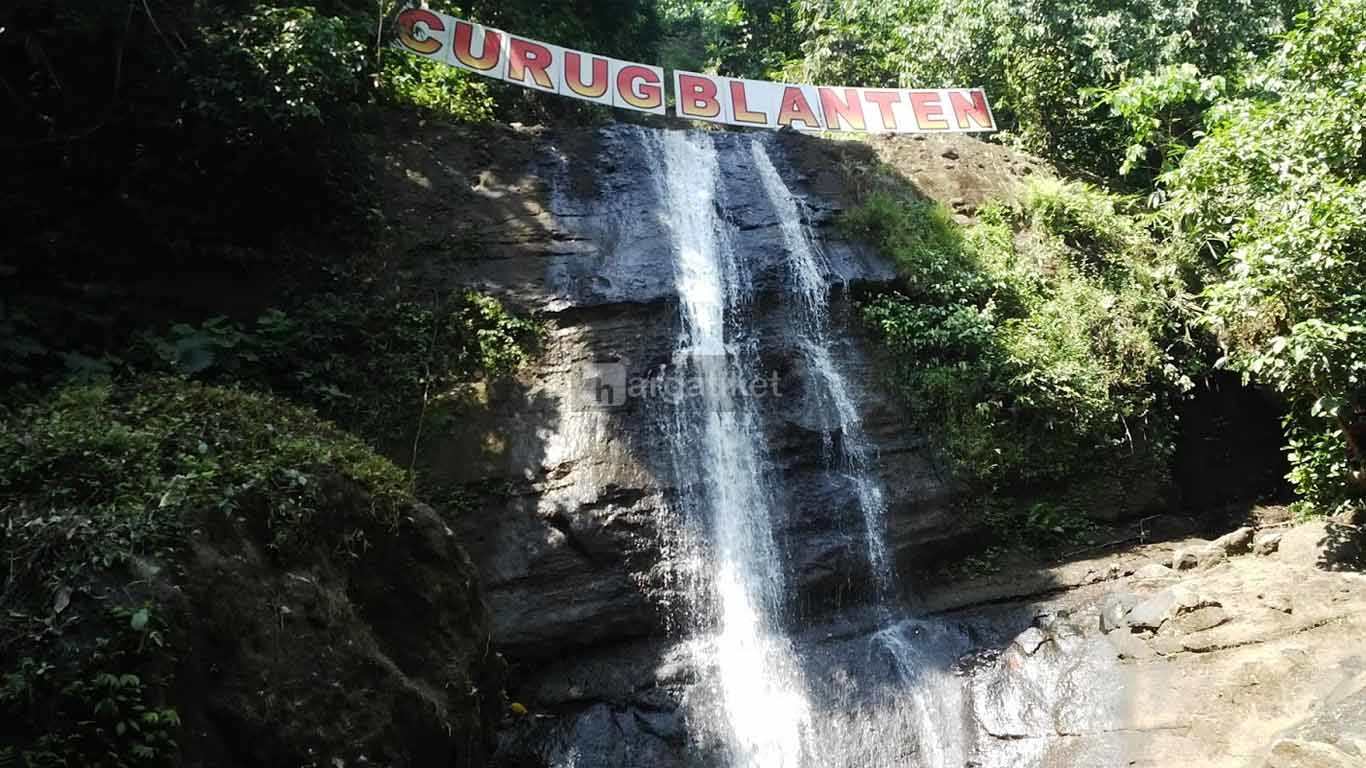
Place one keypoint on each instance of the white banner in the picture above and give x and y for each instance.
(710, 98)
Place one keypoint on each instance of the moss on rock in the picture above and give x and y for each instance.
(189, 558)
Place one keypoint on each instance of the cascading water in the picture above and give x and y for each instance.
(810, 286)
(920, 693)
(769, 530)
(755, 697)
(760, 706)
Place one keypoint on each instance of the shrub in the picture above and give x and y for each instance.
(1037, 59)
(103, 487)
(1269, 205)
(1035, 345)
(443, 90)
(371, 363)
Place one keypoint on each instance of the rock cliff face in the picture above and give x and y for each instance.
(572, 558)
(573, 541)
(571, 526)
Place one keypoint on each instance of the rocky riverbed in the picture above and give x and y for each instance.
(1242, 651)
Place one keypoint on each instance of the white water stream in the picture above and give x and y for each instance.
(755, 697)
(762, 710)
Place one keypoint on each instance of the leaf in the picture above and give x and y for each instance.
(139, 620)
(62, 600)
(192, 357)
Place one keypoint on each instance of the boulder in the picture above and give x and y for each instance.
(1114, 608)
(1154, 571)
(1030, 640)
(1236, 543)
(1185, 559)
(1354, 516)
(1152, 613)
(1131, 646)
(1207, 554)
(1266, 543)
(1297, 753)
(1200, 620)
(1324, 544)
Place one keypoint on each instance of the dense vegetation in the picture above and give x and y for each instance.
(164, 144)
(1057, 334)
(1042, 345)
(156, 153)
(102, 487)
(1233, 132)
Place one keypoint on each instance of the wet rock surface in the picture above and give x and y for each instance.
(571, 536)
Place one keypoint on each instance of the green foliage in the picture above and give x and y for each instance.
(1034, 58)
(1034, 355)
(277, 65)
(443, 90)
(626, 29)
(136, 458)
(101, 488)
(91, 716)
(372, 365)
(1270, 204)
(1163, 110)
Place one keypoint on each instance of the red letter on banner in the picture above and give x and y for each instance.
(697, 97)
(929, 111)
(407, 31)
(525, 56)
(884, 101)
(796, 109)
(573, 75)
(488, 59)
(971, 108)
(850, 110)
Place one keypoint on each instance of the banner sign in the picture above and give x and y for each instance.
(711, 98)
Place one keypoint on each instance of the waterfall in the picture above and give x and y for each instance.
(764, 697)
(761, 709)
(920, 699)
(811, 286)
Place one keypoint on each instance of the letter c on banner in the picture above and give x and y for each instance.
(408, 22)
